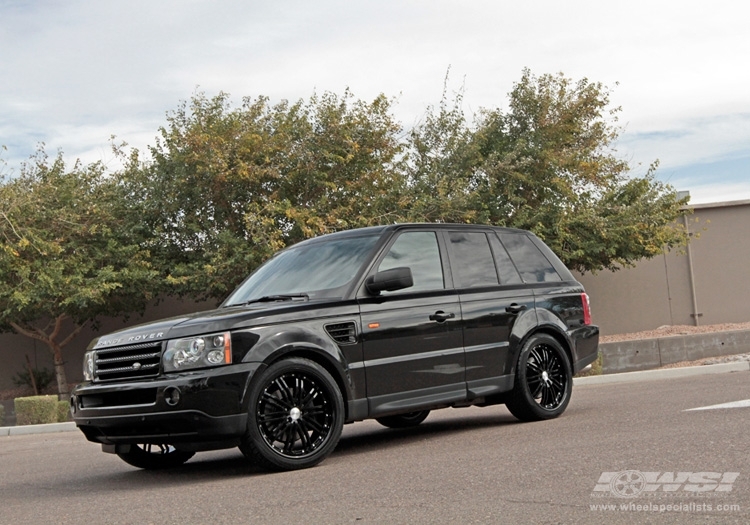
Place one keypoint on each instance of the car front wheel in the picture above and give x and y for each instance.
(295, 418)
(543, 382)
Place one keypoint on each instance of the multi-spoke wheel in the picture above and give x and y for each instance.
(153, 457)
(295, 417)
(543, 381)
(412, 419)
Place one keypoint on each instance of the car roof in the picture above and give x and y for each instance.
(380, 230)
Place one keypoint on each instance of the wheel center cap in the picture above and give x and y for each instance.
(545, 377)
(295, 414)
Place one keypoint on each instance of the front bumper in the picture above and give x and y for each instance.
(193, 407)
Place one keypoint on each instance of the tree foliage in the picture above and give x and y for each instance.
(546, 164)
(224, 187)
(66, 254)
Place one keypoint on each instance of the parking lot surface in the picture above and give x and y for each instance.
(622, 453)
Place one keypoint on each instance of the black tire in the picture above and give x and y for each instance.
(412, 419)
(152, 457)
(544, 381)
(296, 415)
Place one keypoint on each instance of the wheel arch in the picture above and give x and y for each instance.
(320, 357)
(325, 357)
(560, 338)
(547, 329)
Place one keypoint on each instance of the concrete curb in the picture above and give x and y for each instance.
(664, 373)
(23, 430)
(647, 354)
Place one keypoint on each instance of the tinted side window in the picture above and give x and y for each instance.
(531, 263)
(418, 251)
(471, 258)
(505, 268)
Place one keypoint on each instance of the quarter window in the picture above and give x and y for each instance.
(505, 267)
(531, 263)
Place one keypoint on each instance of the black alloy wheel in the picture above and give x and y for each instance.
(295, 418)
(152, 457)
(543, 382)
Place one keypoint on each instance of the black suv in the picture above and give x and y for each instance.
(387, 322)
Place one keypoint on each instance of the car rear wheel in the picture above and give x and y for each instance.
(412, 419)
(543, 382)
(295, 418)
(152, 457)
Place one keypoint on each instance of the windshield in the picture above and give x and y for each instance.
(317, 270)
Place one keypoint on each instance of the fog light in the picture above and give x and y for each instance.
(172, 396)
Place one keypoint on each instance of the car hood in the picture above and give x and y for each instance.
(218, 320)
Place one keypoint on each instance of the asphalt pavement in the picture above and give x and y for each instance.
(633, 452)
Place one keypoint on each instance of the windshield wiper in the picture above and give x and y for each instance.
(272, 298)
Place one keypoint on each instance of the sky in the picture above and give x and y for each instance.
(74, 73)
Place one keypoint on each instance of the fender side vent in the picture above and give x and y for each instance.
(343, 333)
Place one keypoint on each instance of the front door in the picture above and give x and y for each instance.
(412, 338)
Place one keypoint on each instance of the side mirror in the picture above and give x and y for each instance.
(389, 281)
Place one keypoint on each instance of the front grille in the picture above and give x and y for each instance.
(343, 333)
(126, 362)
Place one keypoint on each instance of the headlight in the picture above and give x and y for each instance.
(88, 366)
(198, 352)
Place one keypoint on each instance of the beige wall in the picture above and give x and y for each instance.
(658, 291)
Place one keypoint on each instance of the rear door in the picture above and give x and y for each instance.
(493, 298)
(412, 338)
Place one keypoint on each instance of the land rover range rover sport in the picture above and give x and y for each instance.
(387, 322)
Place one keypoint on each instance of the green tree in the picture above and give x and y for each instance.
(226, 187)
(67, 256)
(546, 164)
(440, 164)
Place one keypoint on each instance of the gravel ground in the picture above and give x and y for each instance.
(669, 330)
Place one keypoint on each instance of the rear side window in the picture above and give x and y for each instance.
(471, 260)
(531, 263)
(505, 268)
(418, 251)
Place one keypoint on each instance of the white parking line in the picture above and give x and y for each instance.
(733, 404)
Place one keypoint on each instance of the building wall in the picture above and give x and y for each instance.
(660, 291)
(721, 261)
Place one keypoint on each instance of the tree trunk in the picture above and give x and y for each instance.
(62, 380)
(55, 347)
(32, 379)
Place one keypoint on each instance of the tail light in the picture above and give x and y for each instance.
(586, 309)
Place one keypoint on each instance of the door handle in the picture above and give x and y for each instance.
(515, 308)
(441, 316)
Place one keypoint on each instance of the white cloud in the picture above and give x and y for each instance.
(707, 193)
(81, 71)
(694, 141)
